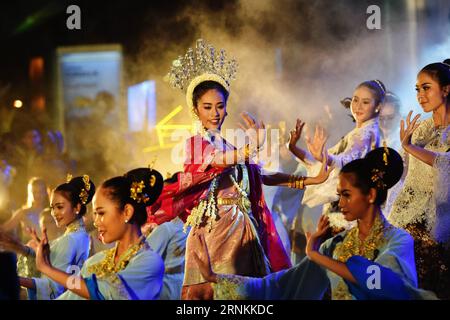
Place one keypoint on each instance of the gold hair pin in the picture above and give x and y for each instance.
(377, 179)
(385, 153)
(84, 194)
(136, 192)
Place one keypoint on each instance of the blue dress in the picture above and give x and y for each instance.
(383, 266)
(67, 253)
(169, 241)
(137, 275)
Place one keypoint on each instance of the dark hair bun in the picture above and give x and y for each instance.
(389, 162)
(78, 184)
(77, 191)
(152, 183)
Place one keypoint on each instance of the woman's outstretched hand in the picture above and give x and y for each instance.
(325, 170)
(317, 145)
(203, 262)
(295, 134)
(255, 130)
(42, 250)
(406, 133)
(313, 241)
(10, 243)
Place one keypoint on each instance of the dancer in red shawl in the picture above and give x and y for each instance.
(219, 193)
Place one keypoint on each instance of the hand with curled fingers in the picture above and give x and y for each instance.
(295, 134)
(254, 130)
(42, 250)
(411, 126)
(313, 241)
(10, 243)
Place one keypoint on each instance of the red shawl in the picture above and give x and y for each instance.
(178, 199)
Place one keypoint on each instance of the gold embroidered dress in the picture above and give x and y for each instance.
(386, 248)
(229, 232)
(137, 275)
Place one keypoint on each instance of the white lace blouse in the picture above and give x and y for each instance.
(425, 195)
(355, 145)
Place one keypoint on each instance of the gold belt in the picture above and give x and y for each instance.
(227, 201)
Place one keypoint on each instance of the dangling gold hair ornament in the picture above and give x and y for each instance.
(385, 153)
(84, 194)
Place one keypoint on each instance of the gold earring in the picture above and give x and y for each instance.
(126, 220)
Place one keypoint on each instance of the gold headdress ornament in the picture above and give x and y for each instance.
(199, 65)
(385, 153)
(137, 194)
(69, 178)
(377, 174)
(84, 194)
(377, 178)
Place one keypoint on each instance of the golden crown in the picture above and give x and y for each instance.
(202, 60)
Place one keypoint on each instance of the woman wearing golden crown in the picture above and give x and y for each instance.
(219, 193)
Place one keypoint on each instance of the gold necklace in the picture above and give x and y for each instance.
(107, 266)
(354, 246)
(74, 226)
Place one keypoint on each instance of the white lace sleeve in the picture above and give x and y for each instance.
(425, 194)
(359, 144)
(335, 149)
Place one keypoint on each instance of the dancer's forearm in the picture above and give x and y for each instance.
(423, 155)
